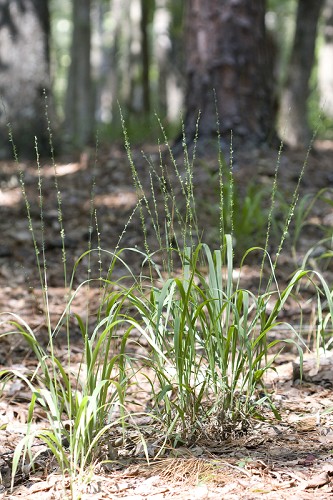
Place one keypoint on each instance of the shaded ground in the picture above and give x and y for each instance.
(276, 460)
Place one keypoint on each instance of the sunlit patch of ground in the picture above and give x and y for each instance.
(10, 198)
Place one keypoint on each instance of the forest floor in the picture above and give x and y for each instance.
(291, 458)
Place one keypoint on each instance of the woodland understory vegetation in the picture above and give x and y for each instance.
(183, 334)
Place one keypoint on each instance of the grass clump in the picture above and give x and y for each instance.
(208, 341)
(83, 402)
(211, 347)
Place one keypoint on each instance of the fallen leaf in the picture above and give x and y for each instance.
(328, 468)
(317, 480)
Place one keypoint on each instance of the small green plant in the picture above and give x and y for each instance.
(244, 462)
(249, 219)
(302, 215)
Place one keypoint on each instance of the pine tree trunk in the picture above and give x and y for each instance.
(226, 53)
(294, 126)
(24, 69)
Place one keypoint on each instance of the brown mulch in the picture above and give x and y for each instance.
(277, 459)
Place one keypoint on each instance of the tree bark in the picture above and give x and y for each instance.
(226, 52)
(24, 74)
(79, 119)
(325, 66)
(294, 125)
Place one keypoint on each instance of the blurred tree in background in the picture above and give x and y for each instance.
(325, 65)
(149, 56)
(24, 73)
(293, 117)
(79, 111)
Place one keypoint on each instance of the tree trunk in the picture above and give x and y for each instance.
(24, 69)
(325, 67)
(79, 119)
(145, 54)
(294, 126)
(226, 51)
(162, 45)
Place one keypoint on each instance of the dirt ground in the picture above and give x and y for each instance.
(291, 458)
